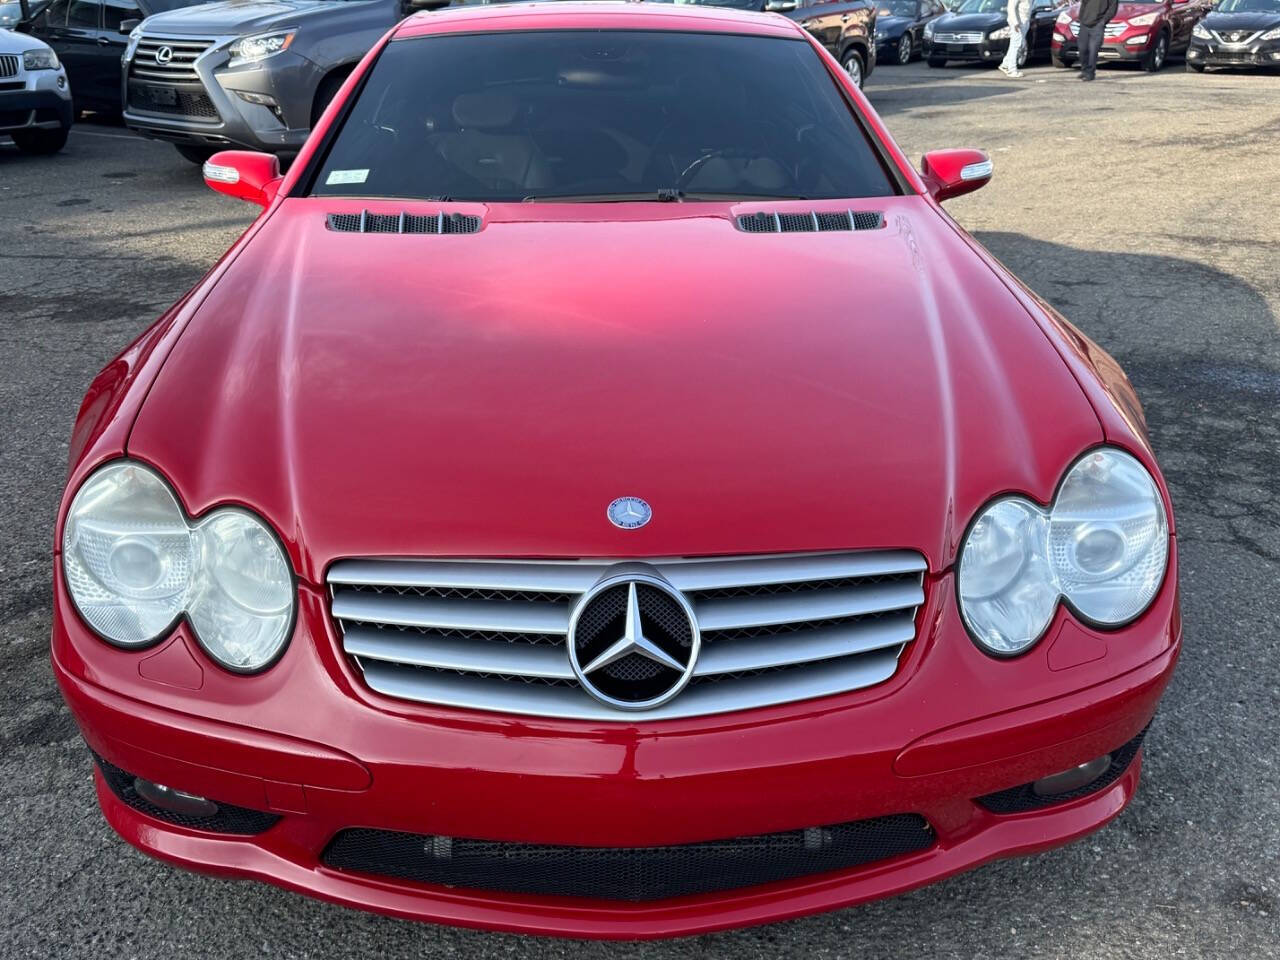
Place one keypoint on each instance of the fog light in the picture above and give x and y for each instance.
(1140, 38)
(175, 801)
(263, 100)
(1193, 53)
(1072, 779)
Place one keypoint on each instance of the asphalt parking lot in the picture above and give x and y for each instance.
(1143, 207)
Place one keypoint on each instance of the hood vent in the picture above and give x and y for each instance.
(812, 222)
(366, 222)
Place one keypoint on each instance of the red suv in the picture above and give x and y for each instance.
(1142, 31)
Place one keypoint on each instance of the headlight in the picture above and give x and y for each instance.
(1199, 31)
(253, 49)
(1064, 17)
(1272, 34)
(40, 60)
(928, 29)
(134, 564)
(1001, 34)
(1102, 545)
(1143, 21)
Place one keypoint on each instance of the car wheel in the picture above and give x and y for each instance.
(40, 141)
(937, 61)
(852, 63)
(197, 155)
(1195, 67)
(1155, 58)
(904, 49)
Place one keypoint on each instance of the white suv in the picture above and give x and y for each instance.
(35, 98)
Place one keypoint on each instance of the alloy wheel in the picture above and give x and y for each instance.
(904, 49)
(853, 67)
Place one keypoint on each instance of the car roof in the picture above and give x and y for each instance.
(596, 15)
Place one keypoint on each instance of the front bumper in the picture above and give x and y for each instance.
(1130, 46)
(42, 107)
(987, 51)
(953, 725)
(210, 112)
(1211, 53)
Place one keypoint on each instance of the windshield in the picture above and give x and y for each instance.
(600, 114)
(898, 8)
(983, 6)
(1248, 6)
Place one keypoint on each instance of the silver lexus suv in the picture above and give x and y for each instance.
(247, 73)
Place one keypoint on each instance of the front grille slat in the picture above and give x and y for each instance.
(490, 635)
(964, 36)
(183, 51)
(8, 65)
(452, 653)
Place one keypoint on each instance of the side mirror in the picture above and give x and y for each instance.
(951, 173)
(780, 6)
(128, 26)
(244, 174)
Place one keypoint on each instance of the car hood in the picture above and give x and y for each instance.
(1123, 12)
(953, 22)
(892, 26)
(1250, 20)
(489, 394)
(240, 16)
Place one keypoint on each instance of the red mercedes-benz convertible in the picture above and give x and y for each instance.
(605, 494)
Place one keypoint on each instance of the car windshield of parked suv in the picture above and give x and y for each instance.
(898, 8)
(982, 6)
(600, 114)
(1248, 6)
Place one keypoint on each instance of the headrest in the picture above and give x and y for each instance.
(484, 110)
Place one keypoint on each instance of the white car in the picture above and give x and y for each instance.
(35, 97)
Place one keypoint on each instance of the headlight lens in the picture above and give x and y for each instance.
(253, 49)
(1103, 545)
(134, 563)
(1272, 34)
(1143, 21)
(1001, 34)
(928, 29)
(1199, 30)
(1064, 17)
(40, 60)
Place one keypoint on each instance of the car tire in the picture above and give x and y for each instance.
(1059, 62)
(196, 155)
(1157, 55)
(1195, 67)
(906, 49)
(854, 66)
(937, 61)
(42, 142)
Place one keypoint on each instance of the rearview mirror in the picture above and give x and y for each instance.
(951, 173)
(127, 26)
(780, 6)
(425, 4)
(244, 174)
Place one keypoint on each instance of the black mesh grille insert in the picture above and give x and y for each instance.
(1023, 798)
(228, 819)
(184, 103)
(627, 873)
(367, 222)
(765, 222)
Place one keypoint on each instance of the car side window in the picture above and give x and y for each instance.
(56, 15)
(116, 12)
(83, 13)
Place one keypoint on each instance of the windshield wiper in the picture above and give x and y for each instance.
(655, 196)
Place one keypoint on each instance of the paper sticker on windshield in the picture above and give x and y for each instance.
(346, 176)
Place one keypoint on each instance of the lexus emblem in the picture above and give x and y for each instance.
(164, 54)
(629, 513)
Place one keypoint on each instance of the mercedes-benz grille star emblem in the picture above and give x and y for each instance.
(164, 54)
(629, 513)
(633, 641)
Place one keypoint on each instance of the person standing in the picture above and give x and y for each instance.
(1094, 17)
(1019, 16)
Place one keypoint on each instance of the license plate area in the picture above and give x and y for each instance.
(159, 96)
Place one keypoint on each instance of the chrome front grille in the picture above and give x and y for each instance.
(150, 62)
(1230, 37)
(491, 635)
(968, 36)
(8, 65)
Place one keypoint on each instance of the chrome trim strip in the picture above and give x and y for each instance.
(573, 703)
(444, 653)
(503, 616)
(805, 646)
(771, 610)
(542, 576)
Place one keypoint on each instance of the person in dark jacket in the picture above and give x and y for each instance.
(1094, 16)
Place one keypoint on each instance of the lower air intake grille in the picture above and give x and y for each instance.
(1023, 798)
(810, 222)
(439, 223)
(228, 819)
(627, 873)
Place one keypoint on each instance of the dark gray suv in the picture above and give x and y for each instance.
(247, 73)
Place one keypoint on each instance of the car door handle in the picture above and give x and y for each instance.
(104, 42)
